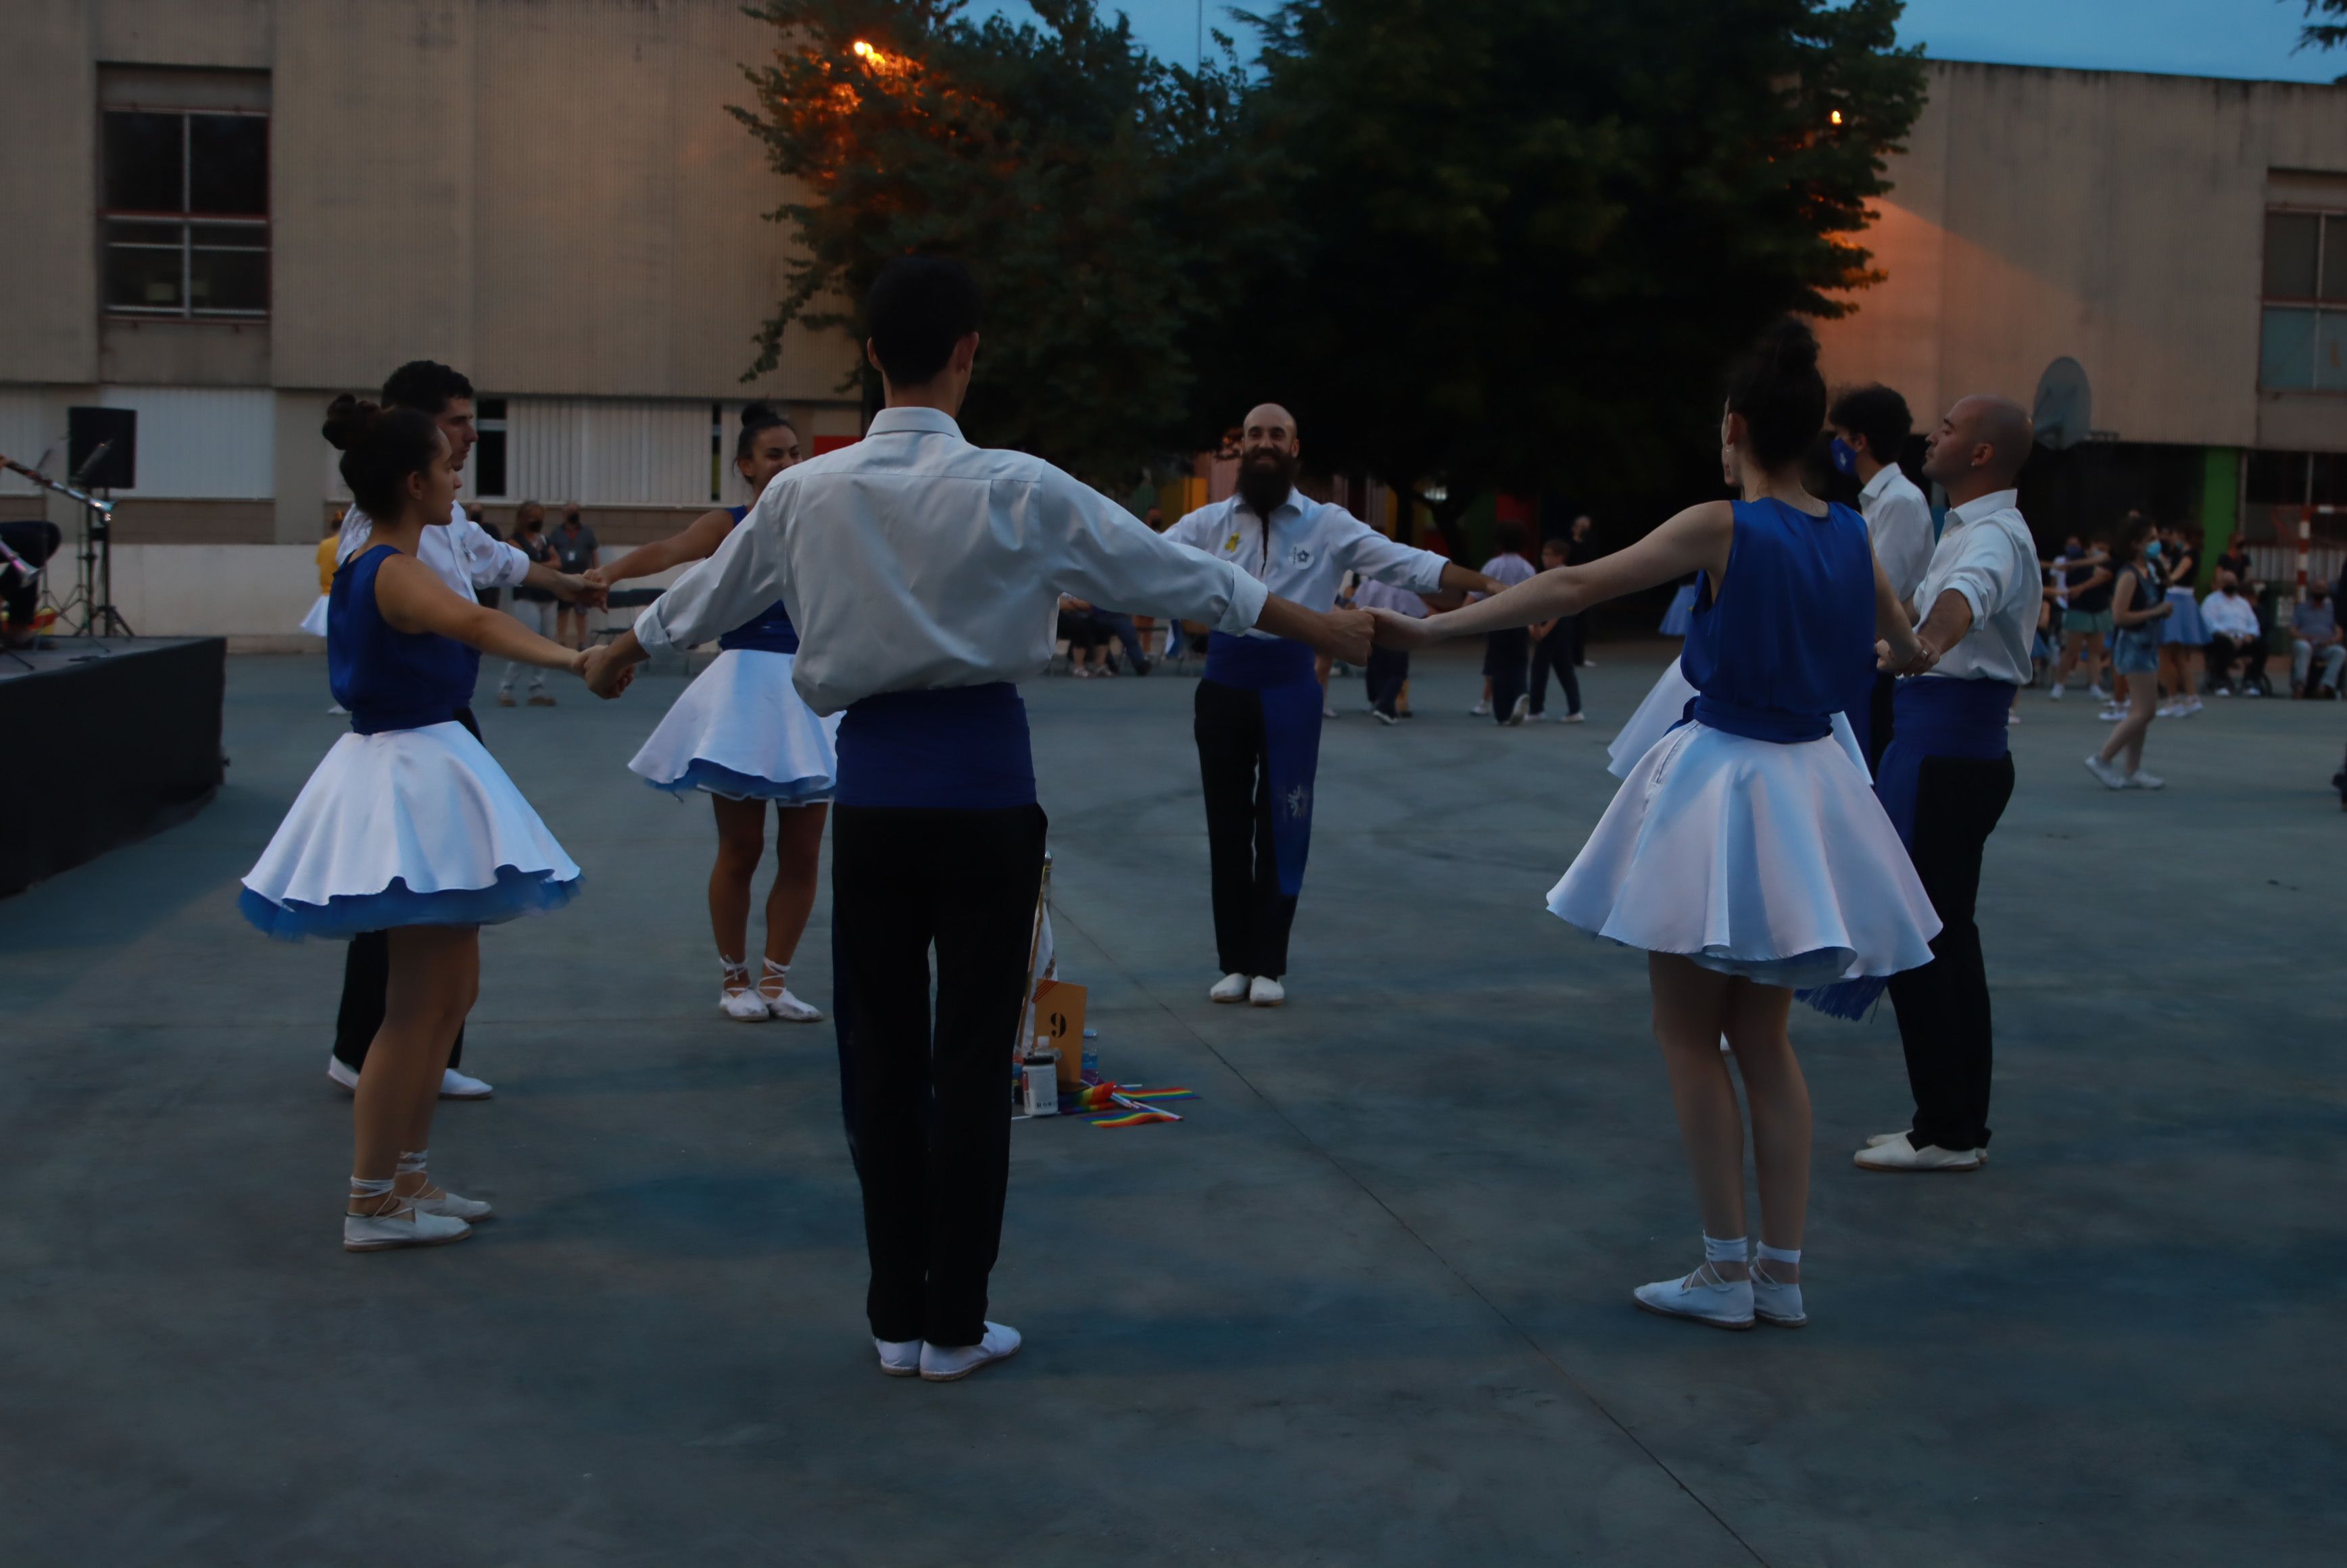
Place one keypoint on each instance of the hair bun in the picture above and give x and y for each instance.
(348, 419)
(755, 411)
(1789, 346)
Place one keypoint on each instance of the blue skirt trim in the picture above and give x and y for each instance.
(703, 776)
(514, 894)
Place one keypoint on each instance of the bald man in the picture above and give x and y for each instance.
(1258, 707)
(1946, 775)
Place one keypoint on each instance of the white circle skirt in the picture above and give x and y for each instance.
(1757, 858)
(314, 623)
(408, 827)
(1665, 705)
(742, 731)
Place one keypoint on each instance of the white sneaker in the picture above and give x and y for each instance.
(448, 1205)
(2142, 780)
(1267, 992)
(791, 1009)
(1516, 714)
(1575, 717)
(1382, 717)
(1701, 1298)
(2108, 772)
(1882, 1137)
(343, 1073)
(454, 1085)
(941, 1365)
(1231, 988)
(2191, 706)
(1479, 710)
(2112, 715)
(1896, 1152)
(1327, 711)
(403, 1226)
(899, 1357)
(2098, 694)
(1775, 1301)
(2166, 711)
(2054, 693)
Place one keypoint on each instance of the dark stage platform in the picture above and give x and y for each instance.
(103, 741)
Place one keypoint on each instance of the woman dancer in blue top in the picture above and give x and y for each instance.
(1745, 852)
(408, 826)
(742, 734)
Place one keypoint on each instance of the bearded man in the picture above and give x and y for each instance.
(1258, 707)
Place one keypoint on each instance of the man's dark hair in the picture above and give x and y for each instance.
(426, 385)
(1562, 546)
(1510, 537)
(1878, 413)
(916, 310)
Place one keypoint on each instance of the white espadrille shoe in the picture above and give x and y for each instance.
(899, 1357)
(1701, 1298)
(943, 1364)
(401, 1225)
(775, 992)
(737, 999)
(1231, 988)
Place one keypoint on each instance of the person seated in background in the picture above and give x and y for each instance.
(2237, 645)
(2315, 644)
(1087, 639)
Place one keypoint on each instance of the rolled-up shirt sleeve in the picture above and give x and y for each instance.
(747, 573)
(1108, 557)
(489, 562)
(1374, 555)
(1984, 573)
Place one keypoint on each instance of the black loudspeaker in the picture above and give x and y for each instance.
(86, 429)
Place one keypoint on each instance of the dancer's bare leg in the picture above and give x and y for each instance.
(1691, 1009)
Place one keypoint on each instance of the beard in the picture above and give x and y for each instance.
(1265, 477)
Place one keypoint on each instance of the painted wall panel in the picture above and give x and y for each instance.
(202, 443)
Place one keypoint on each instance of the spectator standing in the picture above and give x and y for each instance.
(574, 548)
(532, 606)
(1507, 655)
(1870, 425)
(2138, 603)
(2184, 636)
(2087, 581)
(2236, 644)
(1552, 647)
(2315, 644)
(1388, 669)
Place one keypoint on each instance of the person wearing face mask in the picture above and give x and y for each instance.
(1871, 423)
(1258, 707)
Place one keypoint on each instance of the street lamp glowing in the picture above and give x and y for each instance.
(1835, 117)
(863, 48)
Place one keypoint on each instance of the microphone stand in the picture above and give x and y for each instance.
(96, 591)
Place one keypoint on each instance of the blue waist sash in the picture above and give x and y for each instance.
(1931, 716)
(1778, 725)
(1281, 675)
(769, 631)
(959, 747)
(383, 721)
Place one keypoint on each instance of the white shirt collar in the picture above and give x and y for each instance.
(1880, 483)
(913, 422)
(1972, 511)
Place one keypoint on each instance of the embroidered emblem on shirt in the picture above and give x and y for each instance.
(1301, 555)
(1299, 801)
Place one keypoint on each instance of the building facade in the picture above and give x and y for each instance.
(2183, 239)
(223, 215)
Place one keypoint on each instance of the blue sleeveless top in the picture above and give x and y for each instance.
(388, 679)
(770, 630)
(1790, 641)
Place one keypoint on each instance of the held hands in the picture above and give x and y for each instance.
(585, 589)
(1919, 659)
(1346, 634)
(606, 674)
(1395, 629)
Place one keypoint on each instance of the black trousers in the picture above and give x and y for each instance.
(1252, 916)
(1553, 652)
(1388, 669)
(1580, 624)
(2223, 649)
(1507, 657)
(931, 1098)
(1943, 1008)
(1878, 720)
(367, 979)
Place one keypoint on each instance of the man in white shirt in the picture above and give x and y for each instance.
(1870, 425)
(2237, 645)
(923, 574)
(1947, 775)
(464, 557)
(1258, 707)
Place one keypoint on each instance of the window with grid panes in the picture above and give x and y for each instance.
(184, 225)
(2303, 342)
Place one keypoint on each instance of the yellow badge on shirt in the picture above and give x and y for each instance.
(1232, 543)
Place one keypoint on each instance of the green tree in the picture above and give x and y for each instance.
(1525, 234)
(1063, 164)
(2323, 35)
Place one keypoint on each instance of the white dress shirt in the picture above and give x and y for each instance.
(1899, 522)
(913, 560)
(1306, 550)
(2235, 617)
(461, 555)
(1507, 569)
(1986, 554)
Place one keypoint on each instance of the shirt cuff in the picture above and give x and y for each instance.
(1245, 608)
(1431, 578)
(509, 569)
(651, 626)
(1973, 598)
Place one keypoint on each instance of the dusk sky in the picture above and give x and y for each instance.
(2187, 37)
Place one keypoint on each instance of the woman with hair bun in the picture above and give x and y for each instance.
(742, 736)
(1746, 851)
(408, 826)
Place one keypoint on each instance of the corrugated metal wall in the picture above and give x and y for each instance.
(202, 443)
(608, 451)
